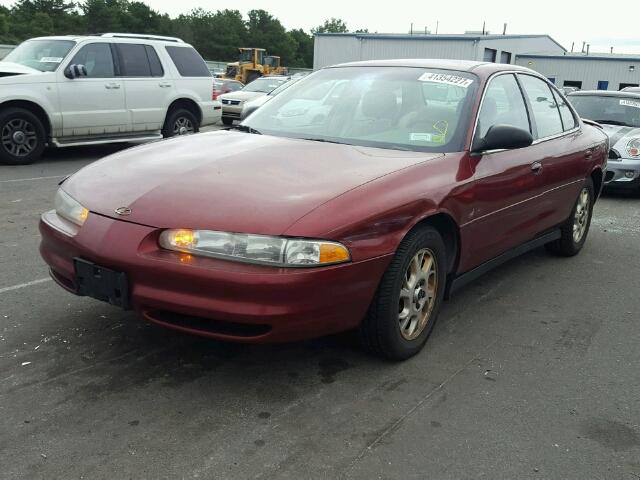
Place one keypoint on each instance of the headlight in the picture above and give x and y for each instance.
(70, 209)
(633, 147)
(276, 251)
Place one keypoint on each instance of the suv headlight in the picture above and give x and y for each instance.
(69, 209)
(260, 249)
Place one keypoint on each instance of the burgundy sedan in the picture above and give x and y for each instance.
(358, 199)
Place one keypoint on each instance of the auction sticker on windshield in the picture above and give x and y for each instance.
(50, 59)
(630, 103)
(446, 79)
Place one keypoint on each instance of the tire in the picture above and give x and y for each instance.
(227, 121)
(570, 243)
(22, 137)
(382, 332)
(180, 121)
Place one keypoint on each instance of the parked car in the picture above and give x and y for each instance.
(66, 91)
(568, 90)
(619, 115)
(220, 87)
(252, 105)
(364, 221)
(233, 103)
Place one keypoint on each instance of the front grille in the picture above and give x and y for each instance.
(231, 102)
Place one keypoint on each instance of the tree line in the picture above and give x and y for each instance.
(216, 35)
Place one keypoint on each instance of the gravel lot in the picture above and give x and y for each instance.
(531, 373)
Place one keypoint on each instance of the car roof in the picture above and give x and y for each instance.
(118, 37)
(606, 93)
(482, 68)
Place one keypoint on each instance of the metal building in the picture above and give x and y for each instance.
(587, 72)
(333, 48)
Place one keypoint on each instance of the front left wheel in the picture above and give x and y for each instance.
(22, 137)
(405, 307)
(180, 122)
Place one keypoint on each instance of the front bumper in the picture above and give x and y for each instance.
(232, 111)
(210, 297)
(211, 112)
(623, 173)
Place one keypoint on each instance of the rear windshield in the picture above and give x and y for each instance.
(609, 109)
(401, 108)
(188, 62)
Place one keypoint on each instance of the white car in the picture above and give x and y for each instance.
(233, 102)
(67, 91)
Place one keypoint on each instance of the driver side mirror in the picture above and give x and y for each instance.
(503, 137)
(74, 71)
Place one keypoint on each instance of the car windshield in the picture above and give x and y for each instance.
(610, 109)
(402, 108)
(44, 55)
(264, 85)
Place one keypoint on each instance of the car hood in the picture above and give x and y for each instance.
(10, 68)
(619, 137)
(230, 181)
(242, 96)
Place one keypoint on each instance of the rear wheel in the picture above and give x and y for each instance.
(405, 307)
(575, 229)
(180, 121)
(22, 137)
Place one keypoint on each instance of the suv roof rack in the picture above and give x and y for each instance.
(143, 37)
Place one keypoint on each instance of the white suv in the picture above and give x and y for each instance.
(67, 91)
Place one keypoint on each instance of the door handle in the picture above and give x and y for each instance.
(112, 86)
(536, 167)
(164, 85)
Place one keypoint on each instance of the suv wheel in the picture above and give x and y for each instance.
(575, 229)
(22, 137)
(180, 122)
(405, 307)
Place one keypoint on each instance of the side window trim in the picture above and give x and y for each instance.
(116, 60)
(148, 48)
(533, 127)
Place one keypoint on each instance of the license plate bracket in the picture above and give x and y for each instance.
(101, 283)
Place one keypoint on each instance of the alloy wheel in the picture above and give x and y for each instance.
(581, 216)
(183, 126)
(19, 137)
(418, 294)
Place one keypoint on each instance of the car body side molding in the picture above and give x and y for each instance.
(461, 280)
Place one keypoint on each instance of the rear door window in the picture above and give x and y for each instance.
(543, 106)
(188, 62)
(154, 62)
(133, 60)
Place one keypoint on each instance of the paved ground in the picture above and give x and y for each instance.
(531, 373)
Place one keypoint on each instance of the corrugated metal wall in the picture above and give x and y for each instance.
(330, 50)
(333, 49)
(588, 71)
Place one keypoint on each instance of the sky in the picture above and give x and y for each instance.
(566, 21)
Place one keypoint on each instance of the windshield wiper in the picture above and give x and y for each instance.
(323, 140)
(247, 128)
(614, 122)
